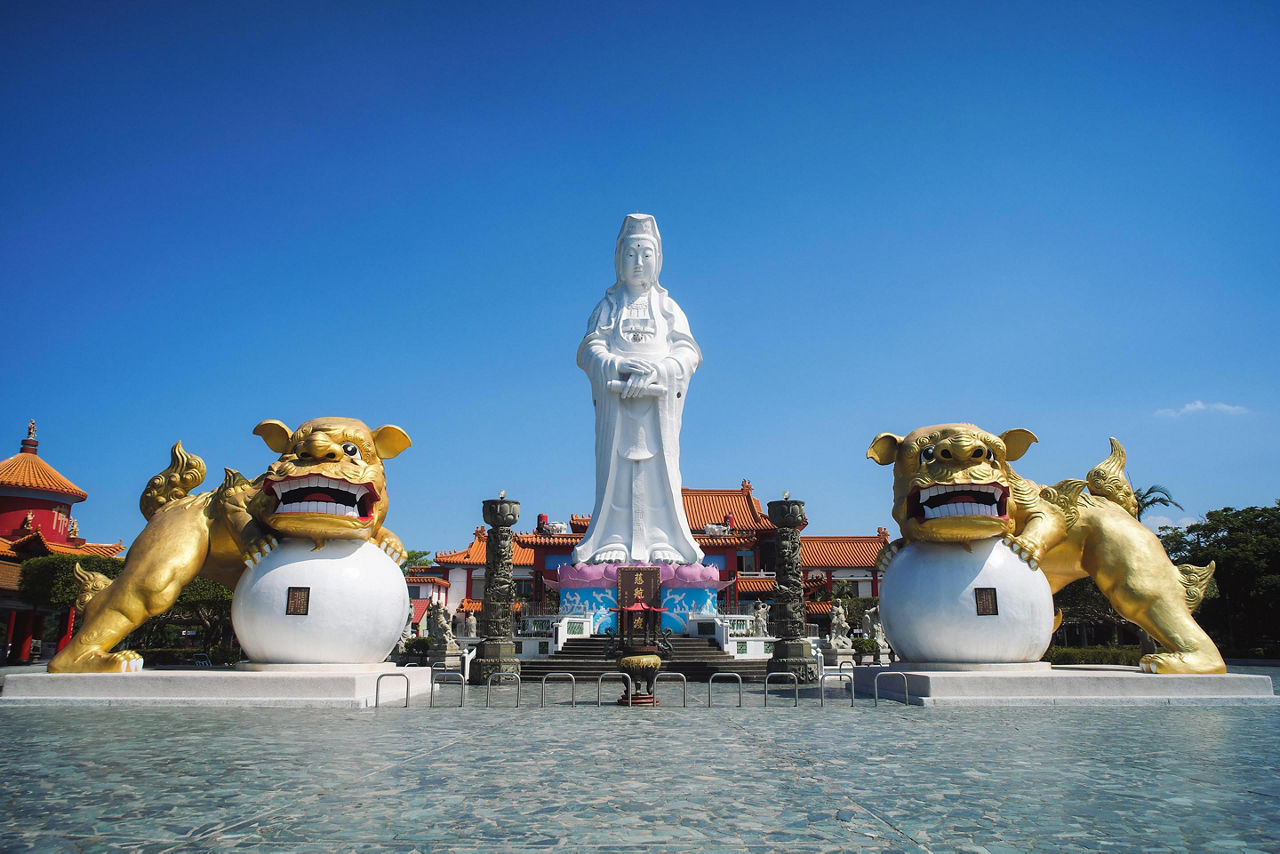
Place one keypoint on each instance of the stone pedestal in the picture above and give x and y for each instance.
(446, 658)
(497, 652)
(794, 656)
(791, 652)
(833, 658)
(494, 655)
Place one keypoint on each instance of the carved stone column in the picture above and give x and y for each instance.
(791, 651)
(497, 652)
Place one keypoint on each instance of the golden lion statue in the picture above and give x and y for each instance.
(329, 483)
(952, 483)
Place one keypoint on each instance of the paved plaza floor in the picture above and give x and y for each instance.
(890, 778)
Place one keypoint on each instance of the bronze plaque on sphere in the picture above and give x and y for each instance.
(298, 603)
(986, 599)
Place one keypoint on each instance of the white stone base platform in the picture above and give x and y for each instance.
(349, 686)
(1040, 684)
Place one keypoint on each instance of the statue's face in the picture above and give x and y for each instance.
(638, 266)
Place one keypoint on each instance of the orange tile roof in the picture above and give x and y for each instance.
(568, 541)
(815, 608)
(710, 506)
(426, 579)
(474, 606)
(473, 555)
(533, 538)
(25, 470)
(755, 585)
(35, 543)
(420, 607)
(839, 552)
(9, 574)
(703, 506)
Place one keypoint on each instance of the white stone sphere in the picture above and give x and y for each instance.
(929, 612)
(357, 609)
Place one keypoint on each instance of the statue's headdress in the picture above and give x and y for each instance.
(639, 225)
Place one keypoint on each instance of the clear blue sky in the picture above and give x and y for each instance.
(1063, 217)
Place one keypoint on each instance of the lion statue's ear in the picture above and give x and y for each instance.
(884, 449)
(390, 440)
(275, 434)
(1016, 442)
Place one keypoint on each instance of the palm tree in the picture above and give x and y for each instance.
(1154, 495)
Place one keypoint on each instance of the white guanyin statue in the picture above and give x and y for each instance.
(640, 356)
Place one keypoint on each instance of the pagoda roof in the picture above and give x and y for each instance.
(474, 554)
(25, 470)
(35, 545)
(844, 551)
(14, 552)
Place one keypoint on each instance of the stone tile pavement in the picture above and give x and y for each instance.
(670, 779)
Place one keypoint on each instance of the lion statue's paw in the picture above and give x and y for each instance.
(1026, 552)
(125, 661)
(258, 548)
(1181, 662)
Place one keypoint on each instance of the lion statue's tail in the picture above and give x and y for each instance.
(1195, 580)
(1107, 480)
(185, 473)
(90, 583)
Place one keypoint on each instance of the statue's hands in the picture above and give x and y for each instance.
(636, 366)
(638, 373)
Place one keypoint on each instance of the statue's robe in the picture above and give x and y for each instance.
(638, 504)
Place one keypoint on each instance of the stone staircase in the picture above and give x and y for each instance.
(696, 658)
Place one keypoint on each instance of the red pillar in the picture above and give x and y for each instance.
(875, 582)
(20, 652)
(68, 628)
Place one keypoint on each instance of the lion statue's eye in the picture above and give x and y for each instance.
(350, 449)
(991, 456)
(927, 454)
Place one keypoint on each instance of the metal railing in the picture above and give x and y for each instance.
(795, 683)
(616, 675)
(822, 684)
(437, 678)
(715, 676)
(377, 686)
(573, 689)
(906, 689)
(500, 675)
(684, 686)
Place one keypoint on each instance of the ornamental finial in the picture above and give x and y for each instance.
(31, 429)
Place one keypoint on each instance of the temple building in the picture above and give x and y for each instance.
(35, 520)
(729, 525)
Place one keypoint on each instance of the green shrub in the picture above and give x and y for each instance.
(866, 646)
(417, 646)
(1123, 655)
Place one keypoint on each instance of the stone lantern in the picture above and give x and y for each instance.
(497, 652)
(791, 652)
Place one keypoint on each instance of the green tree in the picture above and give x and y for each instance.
(1154, 495)
(1082, 603)
(416, 557)
(49, 582)
(1245, 545)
